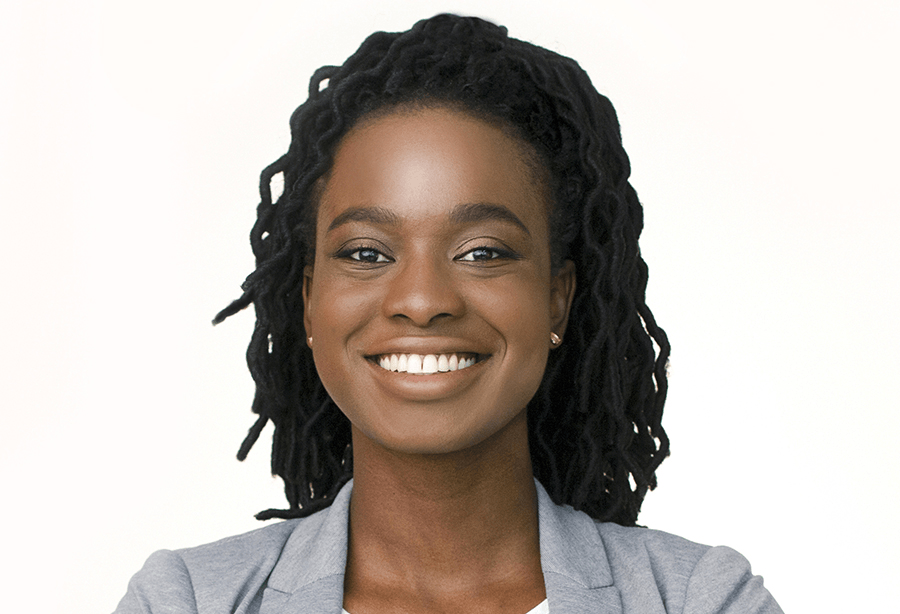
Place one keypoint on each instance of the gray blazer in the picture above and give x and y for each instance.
(298, 566)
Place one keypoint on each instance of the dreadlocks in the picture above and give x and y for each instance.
(595, 429)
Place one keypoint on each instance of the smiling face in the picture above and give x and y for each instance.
(431, 300)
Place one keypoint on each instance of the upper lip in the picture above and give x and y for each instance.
(427, 345)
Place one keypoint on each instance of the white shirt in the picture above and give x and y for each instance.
(541, 608)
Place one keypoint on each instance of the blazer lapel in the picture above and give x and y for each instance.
(576, 569)
(309, 576)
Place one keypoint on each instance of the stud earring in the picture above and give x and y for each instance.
(554, 339)
(309, 341)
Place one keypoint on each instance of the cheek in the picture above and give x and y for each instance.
(520, 307)
(520, 312)
(336, 314)
(337, 307)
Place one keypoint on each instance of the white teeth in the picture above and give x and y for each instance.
(424, 364)
(415, 364)
(429, 363)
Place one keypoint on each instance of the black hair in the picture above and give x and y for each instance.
(595, 430)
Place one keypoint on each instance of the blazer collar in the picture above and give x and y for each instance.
(309, 575)
(576, 569)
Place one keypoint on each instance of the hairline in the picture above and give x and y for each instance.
(526, 152)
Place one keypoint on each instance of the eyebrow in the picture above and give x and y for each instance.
(481, 212)
(467, 213)
(373, 215)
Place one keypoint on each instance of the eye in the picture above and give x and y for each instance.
(367, 254)
(484, 253)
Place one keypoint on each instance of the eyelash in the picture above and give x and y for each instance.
(348, 253)
(499, 254)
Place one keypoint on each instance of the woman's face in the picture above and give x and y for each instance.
(432, 253)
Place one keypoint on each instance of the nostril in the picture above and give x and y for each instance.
(423, 295)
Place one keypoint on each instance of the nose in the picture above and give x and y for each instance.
(422, 290)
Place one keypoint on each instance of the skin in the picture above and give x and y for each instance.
(432, 237)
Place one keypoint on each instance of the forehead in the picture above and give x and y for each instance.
(425, 161)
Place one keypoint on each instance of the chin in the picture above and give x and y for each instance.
(438, 438)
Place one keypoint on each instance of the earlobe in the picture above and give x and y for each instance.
(307, 284)
(562, 291)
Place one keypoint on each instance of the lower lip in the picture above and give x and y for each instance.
(422, 387)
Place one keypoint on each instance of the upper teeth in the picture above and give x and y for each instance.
(424, 364)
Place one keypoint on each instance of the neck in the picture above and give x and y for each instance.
(443, 524)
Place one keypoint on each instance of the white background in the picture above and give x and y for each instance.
(764, 140)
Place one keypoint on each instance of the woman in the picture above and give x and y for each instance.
(450, 311)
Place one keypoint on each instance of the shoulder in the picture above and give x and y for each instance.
(635, 546)
(228, 572)
(255, 549)
(689, 577)
(647, 571)
(249, 572)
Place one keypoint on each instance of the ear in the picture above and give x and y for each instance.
(562, 290)
(307, 304)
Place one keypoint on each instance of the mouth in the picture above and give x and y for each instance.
(427, 364)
